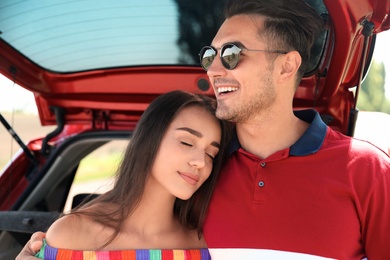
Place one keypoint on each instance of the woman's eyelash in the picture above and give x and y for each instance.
(209, 155)
(190, 145)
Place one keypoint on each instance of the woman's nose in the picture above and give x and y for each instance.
(198, 160)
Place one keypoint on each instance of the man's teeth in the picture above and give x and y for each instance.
(226, 89)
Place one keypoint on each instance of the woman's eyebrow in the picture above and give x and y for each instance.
(191, 131)
(197, 134)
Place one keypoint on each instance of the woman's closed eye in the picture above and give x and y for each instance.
(211, 156)
(212, 152)
(186, 143)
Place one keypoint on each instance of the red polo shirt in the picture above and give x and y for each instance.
(327, 195)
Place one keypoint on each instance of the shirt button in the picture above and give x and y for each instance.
(262, 164)
(261, 184)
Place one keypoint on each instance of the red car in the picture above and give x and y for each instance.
(94, 66)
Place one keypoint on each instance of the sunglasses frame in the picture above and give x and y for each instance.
(223, 49)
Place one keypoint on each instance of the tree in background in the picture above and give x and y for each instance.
(372, 93)
(198, 22)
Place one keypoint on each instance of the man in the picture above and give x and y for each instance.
(291, 183)
(292, 186)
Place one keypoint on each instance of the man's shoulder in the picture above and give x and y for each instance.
(355, 150)
(355, 144)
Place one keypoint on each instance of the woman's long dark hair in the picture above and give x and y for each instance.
(138, 160)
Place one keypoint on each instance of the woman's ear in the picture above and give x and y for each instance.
(290, 64)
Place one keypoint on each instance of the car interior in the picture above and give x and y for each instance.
(44, 200)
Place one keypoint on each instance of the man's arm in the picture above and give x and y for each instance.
(32, 247)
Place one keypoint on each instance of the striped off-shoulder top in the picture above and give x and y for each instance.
(50, 253)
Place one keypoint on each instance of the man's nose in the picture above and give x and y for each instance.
(216, 68)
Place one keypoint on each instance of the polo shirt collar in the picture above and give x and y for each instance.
(309, 143)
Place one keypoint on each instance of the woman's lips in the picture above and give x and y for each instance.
(189, 178)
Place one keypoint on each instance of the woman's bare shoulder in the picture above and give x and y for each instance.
(78, 232)
(61, 233)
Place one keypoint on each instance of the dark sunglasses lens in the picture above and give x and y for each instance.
(230, 55)
(207, 55)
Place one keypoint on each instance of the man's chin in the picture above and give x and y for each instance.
(223, 115)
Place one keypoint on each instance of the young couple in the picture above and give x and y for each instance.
(291, 186)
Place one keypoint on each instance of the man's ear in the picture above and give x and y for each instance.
(290, 63)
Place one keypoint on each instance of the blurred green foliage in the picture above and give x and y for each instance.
(372, 93)
(95, 167)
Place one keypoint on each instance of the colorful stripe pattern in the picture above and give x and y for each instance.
(50, 253)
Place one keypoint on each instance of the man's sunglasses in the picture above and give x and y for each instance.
(229, 55)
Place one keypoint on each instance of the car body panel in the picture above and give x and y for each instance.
(327, 89)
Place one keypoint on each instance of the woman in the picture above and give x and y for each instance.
(161, 193)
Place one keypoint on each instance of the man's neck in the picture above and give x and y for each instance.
(269, 134)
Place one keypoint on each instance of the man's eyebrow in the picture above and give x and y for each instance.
(237, 43)
(197, 134)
